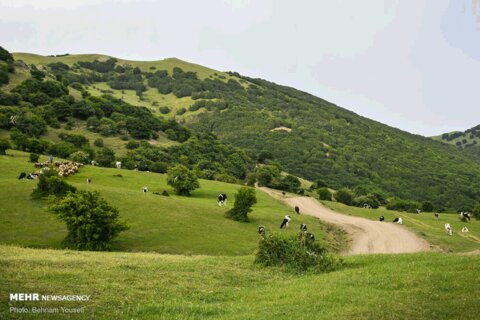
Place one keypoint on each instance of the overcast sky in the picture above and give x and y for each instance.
(414, 65)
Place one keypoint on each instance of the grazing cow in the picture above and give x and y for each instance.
(437, 215)
(89, 180)
(464, 216)
(419, 211)
(464, 229)
(94, 163)
(382, 218)
(310, 236)
(303, 227)
(367, 206)
(118, 164)
(448, 228)
(22, 176)
(297, 210)
(261, 231)
(222, 199)
(32, 176)
(283, 193)
(285, 222)
(398, 220)
(145, 189)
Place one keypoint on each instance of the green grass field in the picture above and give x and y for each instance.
(425, 225)
(154, 286)
(175, 224)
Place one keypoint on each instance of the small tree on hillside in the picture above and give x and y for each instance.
(51, 184)
(182, 180)
(4, 145)
(244, 199)
(324, 194)
(476, 212)
(344, 196)
(91, 222)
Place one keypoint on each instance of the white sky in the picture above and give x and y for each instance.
(414, 65)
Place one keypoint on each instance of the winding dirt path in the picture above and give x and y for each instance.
(367, 236)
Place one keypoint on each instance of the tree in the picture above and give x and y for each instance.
(182, 180)
(34, 157)
(50, 184)
(105, 157)
(4, 145)
(324, 194)
(344, 196)
(91, 222)
(476, 212)
(427, 206)
(244, 199)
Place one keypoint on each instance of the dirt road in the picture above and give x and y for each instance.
(367, 236)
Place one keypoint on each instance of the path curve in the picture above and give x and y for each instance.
(368, 236)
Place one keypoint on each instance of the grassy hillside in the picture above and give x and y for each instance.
(464, 139)
(307, 135)
(180, 225)
(425, 225)
(153, 286)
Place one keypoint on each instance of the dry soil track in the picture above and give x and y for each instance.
(367, 236)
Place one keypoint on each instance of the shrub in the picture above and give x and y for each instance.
(427, 206)
(344, 196)
(182, 180)
(4, 145)
(181, 111)
(98, 143)
(402, 205)
(34, 157)
(368, 199)
(295, 253)
(324, 194)
(476, 212)
(50, 184)
(158, 167)
(164, 110)
(91, 222)
(105, 157)
(244, 199)
(80, 156)
(132, 144)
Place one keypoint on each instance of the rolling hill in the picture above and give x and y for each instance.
(463, 139)
(306, 135)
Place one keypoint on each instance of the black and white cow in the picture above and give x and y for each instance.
(310, 236)
(448, 228)
(464, 216)
(398, 220)
(261, 230)
(464, 229)
(89, 180)
(382, 218)
(285, 221)
(222, 199)
(297, 210)
(303, 227)
(145, 189)
(22, 175)
(32, 176)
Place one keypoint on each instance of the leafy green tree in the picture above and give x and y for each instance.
(105, 157)
(476, 212)
(245, 198)
(4, 145)
(91, 222)
(182, 180)
(344, 196)
(51, 184)
(427, 206)
(34, 157)
(324, 194)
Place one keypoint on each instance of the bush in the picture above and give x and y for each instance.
(34, 157)
(368, 199)
(91, 222)
(105, 157)
(182, 180)
(132, 144)
(50, 184)
(402, 205)
(4, 145)
(164, 110)
(158, 167)
(324, 194)
(476, 212)
(80, 156)
(427, 206)
(181, 111)
(344, 196)
(295, 253)
(98, 143)
(244, 199)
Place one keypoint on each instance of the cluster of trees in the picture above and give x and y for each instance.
(270, 175)
(6, 66)
(342, 149)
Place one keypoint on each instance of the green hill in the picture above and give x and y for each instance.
(462, 139)
(174, 224)
(306, 135)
